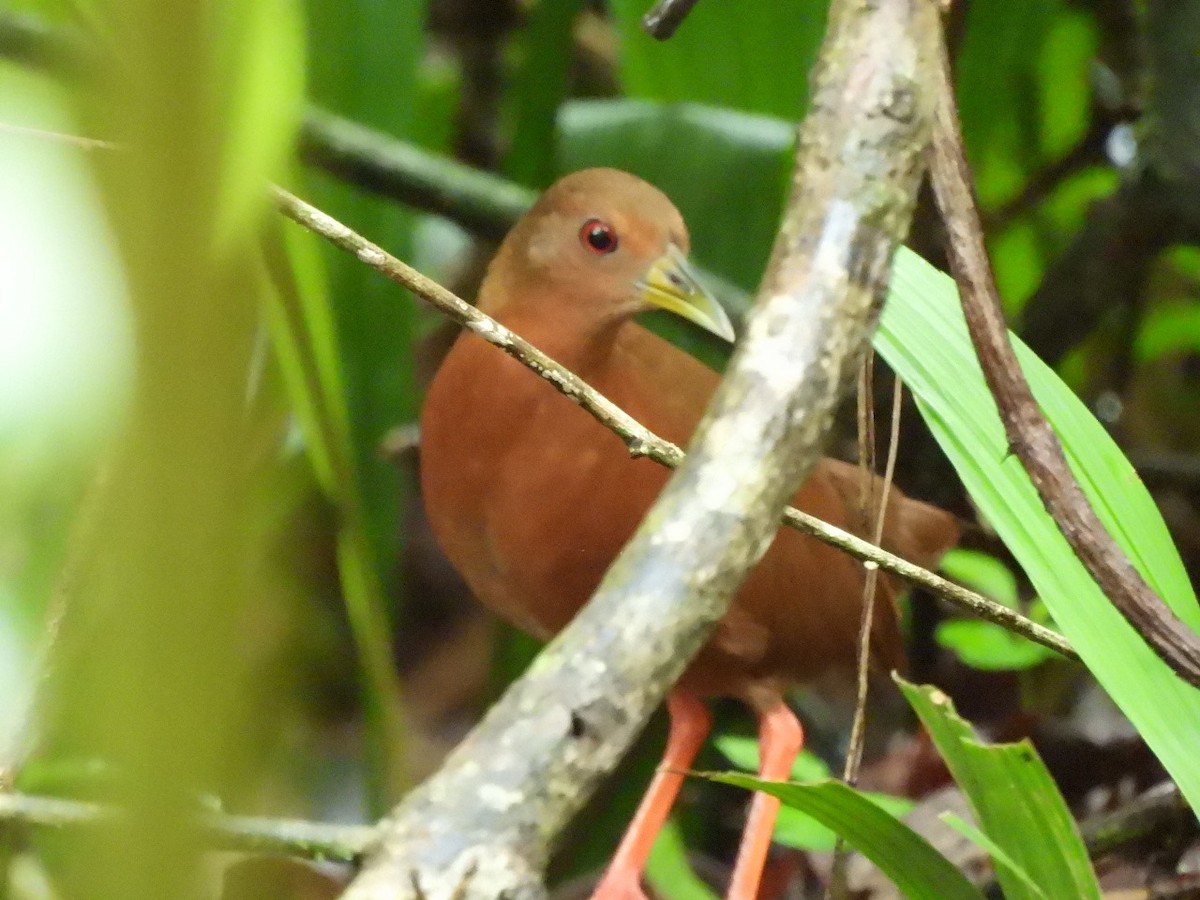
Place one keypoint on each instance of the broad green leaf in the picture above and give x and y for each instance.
(753, 57)
(539, 85)
(923, 337)
(917, 869)
(1015, 800)
(997, 853)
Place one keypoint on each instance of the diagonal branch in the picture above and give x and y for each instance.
(1029, 434)
(485, 824)
(637, 438)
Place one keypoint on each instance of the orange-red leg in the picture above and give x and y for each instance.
(690, 724)
(780, 738)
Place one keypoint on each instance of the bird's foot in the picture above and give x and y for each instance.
(620, 884)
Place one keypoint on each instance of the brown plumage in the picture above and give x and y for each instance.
(532, 499)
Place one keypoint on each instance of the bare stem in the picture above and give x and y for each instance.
(247, 834)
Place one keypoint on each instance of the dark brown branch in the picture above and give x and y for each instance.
(1029, 434)
(665, 16)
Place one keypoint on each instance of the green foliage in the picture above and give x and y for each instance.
(982, 644)
(923, 337)
(687, 68)
(668, 871)
(356, 49)
(909, 860)
(1025, 821)
(175, 554)
(794, 827)
(172, 551)
(306, 346)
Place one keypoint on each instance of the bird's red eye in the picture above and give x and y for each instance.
(598, 236)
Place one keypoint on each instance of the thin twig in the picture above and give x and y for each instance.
(637, 438)
(858, 728)
(858, 731)
(248, 834)
(665, 16)
(1029, 434)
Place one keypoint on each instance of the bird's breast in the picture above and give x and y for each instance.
(529, 496)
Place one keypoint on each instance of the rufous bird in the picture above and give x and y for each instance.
(532, 499)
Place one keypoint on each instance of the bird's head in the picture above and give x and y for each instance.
(601, 245)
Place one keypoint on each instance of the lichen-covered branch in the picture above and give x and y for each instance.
(1029, 434)
(485, 824)
(638, 439)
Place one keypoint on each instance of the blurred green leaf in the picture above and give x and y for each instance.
(923, 337)
(979, 644)
(668, 871)
(66, 369)
(743, 752)
(1016, 802)
(1168, 328)
(1022, 78)
(909, 860)
(157, 672)
(260, 75)
(539, 86)
(989, 647)
(725, 56)
(983, 573)
(1063, 72)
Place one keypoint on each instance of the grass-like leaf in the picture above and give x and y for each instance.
(1016, 802)
(918, 870)
(924, 338)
